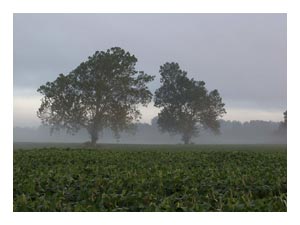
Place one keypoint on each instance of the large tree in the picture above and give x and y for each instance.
(186, 104)
(102, 92)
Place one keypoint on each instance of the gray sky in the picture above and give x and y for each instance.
(241, 55)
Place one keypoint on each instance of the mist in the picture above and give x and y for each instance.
(231, 132)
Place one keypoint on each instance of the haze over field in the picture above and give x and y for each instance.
(241, 55)
(232, 132)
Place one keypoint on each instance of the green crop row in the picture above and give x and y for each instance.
(145, 180)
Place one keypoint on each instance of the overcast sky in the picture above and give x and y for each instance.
(241, 55)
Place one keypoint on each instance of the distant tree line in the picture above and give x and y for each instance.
(231, 132)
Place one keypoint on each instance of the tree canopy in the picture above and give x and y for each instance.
(186, 104)
(102, 92)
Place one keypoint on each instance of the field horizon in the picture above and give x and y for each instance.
(26, 145)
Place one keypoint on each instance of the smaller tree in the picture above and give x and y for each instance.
(187, 105)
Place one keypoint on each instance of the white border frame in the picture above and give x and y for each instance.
(142, 6)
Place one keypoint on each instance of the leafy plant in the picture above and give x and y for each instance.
(155, 178)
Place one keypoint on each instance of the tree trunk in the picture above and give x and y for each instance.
(94, 137)
(186, 138)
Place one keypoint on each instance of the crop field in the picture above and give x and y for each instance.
(151, 178)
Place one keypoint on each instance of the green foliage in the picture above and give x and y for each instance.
(151, 178)
(102, 92)
(186, 104)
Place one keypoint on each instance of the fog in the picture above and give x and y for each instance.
(232, 132)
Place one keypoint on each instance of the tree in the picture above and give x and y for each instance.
(187, 105)
(102, 92)
(283, 125)
(285, 119)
